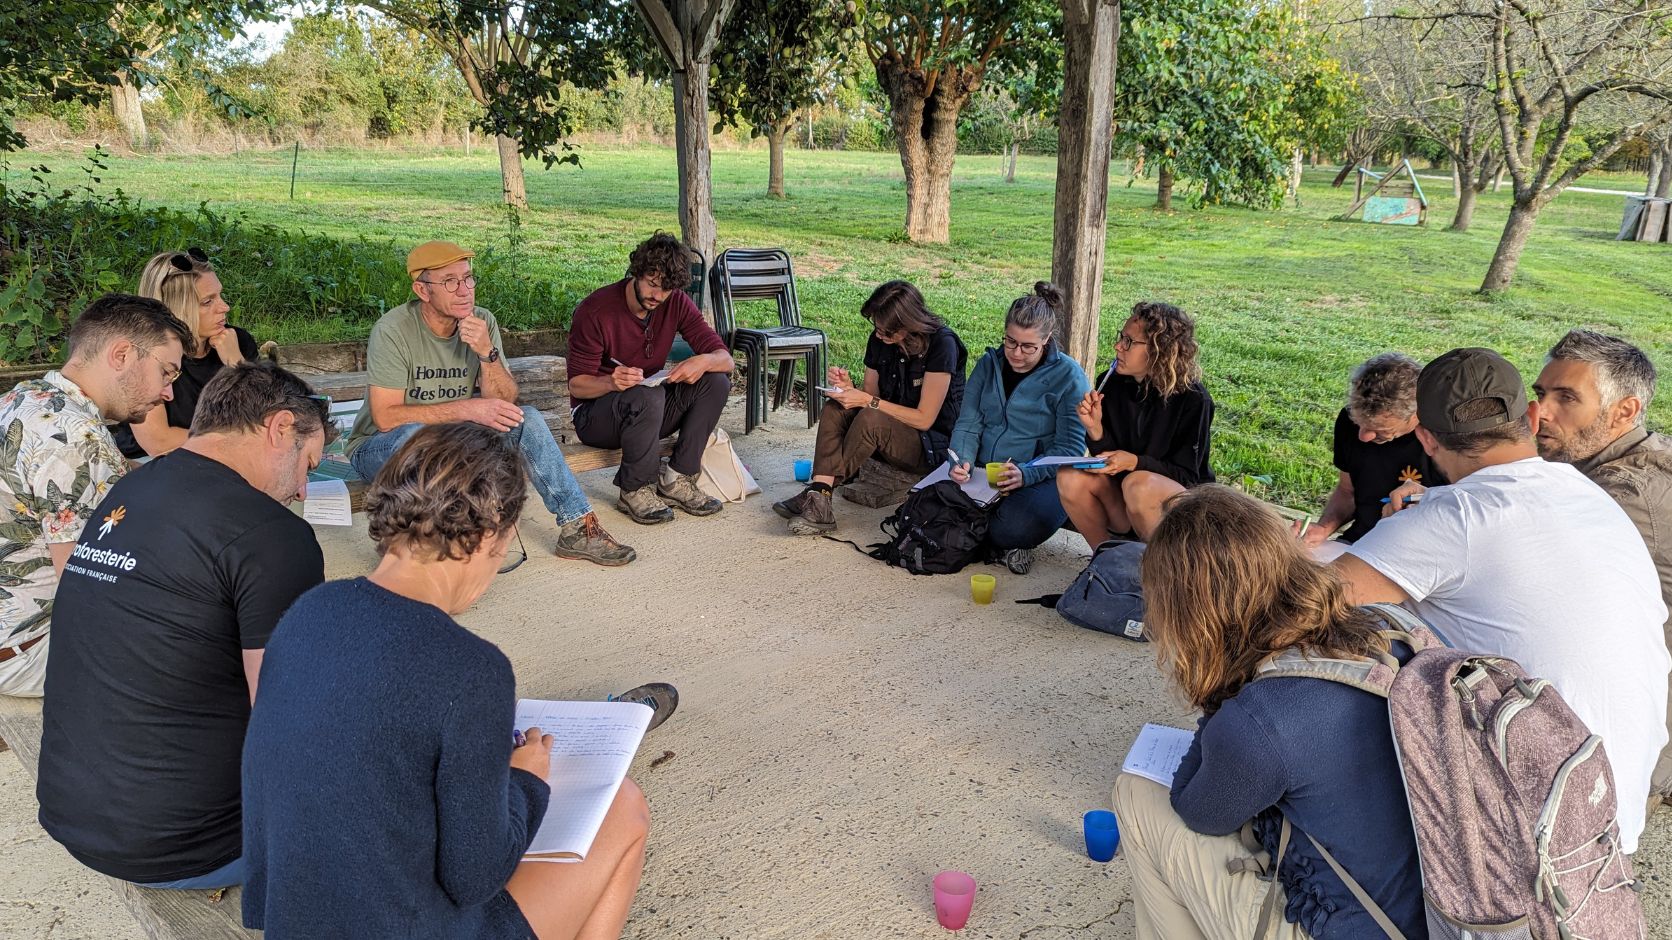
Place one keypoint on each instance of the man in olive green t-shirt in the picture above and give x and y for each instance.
(427, 360)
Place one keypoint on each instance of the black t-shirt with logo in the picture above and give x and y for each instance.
(900, 380)
(1377, 470)
(183, 566)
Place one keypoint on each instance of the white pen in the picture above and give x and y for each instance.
(952, 455)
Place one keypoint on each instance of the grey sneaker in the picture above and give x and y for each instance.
(790, 508)
(681, 491)
(817, 517)
(586, 540)
(1019, 560)
(644, 506)
(660, 697)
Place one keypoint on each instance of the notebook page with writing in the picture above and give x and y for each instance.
(1157, 752)
(592, 745)
(975, 488)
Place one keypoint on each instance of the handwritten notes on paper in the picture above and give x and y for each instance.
(592, 745)
(328, 503)
(1157, 752)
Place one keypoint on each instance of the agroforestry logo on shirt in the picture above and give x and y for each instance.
(111, 520)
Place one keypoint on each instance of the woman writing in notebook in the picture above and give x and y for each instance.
(1148, 419)
(1227, 588)
(1019, 405)
(902, 413)
(383, 793)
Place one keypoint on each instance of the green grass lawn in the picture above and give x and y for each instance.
(1286, 302)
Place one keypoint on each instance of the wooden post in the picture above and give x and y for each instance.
(295, 155)
(1085, 127)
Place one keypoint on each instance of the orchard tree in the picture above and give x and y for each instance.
(153, 26)
(929, 60)
(514, 57)
(778, 58)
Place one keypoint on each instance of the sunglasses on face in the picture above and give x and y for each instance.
(186, 261)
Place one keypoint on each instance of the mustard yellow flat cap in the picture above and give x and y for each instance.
(431, 255)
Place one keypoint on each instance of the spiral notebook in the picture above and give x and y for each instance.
(592, 745)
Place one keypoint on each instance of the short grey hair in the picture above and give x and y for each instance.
(1623, 370)
(1384, 385)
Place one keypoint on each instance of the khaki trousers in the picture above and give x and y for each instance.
(1179, 881)
(850, 436)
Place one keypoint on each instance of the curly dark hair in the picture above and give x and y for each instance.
(1172, 338)
(448, 487)
(665, 257)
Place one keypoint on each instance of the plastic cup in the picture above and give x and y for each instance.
(954, 896)
(803, 471)
(981, 588)
(1102, 835)
(995, 473)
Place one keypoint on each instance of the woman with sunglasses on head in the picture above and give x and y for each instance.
(1018, 405)
(186, 283)
(1148, 419)
(902, 413)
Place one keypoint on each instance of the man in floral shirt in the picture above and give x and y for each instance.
(57, 459)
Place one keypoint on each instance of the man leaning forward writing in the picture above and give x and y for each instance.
(428, 359)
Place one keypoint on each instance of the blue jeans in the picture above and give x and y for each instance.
(547, 470)
(232, 873)
(1027, 517)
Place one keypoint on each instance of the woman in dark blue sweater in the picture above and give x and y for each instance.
(1226, 587)
(383, 796)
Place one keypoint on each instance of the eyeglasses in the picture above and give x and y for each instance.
(1026, 349)
(452, 284)
(184, 261)
(1127, 342)
(513, 559)
(170, 372)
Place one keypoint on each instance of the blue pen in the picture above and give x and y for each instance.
(1409, 500)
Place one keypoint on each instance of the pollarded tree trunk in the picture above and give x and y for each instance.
(511, 173)
(775, 157)
(924, 116)
(1522, 215)
(124, 103)
(1010, 164)
(1164, 189)
(1085, 126)
(690, 131)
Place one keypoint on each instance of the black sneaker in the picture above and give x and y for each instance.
(659, 697)
(817, 517)
(792, 507)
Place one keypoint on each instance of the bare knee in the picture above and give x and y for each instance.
(1144, 488)
(631, 809)
(1075, 483)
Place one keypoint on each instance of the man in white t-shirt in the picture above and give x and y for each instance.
(1529, 560)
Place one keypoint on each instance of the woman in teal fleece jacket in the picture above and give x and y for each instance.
(1019, 404)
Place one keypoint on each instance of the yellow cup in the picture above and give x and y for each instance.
(981, 588)
(995, 472)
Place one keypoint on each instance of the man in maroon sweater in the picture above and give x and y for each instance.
(621, 334)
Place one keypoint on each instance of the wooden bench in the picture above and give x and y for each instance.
(162, 915)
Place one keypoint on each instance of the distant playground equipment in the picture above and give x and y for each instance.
(1396, 199)
(1647, 219)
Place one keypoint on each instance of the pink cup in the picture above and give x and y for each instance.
(954, 895)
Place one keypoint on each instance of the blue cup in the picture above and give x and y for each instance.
(803, 471)
(1102, 835)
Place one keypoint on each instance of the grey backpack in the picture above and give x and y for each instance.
(1108, 596)
(1511, 796)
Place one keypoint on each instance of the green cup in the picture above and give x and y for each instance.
(995, 472)
(981, 588)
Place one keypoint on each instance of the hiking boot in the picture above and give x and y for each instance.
(681, 490)
(644, 506)
(659, 696)
(585, 539)
(817, 517)
(1019, 560)
(790, 508)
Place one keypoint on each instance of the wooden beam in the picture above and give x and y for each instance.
(660, 21)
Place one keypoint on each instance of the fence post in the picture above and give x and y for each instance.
(295, 155)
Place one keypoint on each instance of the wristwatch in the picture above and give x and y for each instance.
(875, 402)
(492, 357)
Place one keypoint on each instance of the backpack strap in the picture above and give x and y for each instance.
(1358, 673)
(1261, 863)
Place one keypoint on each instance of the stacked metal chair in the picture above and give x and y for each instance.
(765, 274)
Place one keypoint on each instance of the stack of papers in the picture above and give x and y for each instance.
(976, 489)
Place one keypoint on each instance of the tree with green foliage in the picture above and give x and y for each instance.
(776, 59)
(515, 57)
(1221, 92)
(177, 26)
(929, 60)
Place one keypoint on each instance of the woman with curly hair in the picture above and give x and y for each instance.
(1226, 589)
(1148, 419)
(384, 795)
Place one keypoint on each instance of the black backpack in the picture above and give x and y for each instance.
(937, 530)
